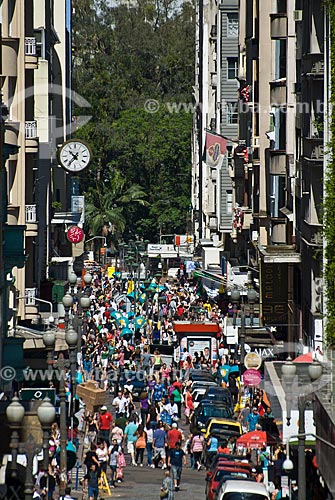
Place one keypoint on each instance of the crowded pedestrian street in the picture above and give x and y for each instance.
(150, 417)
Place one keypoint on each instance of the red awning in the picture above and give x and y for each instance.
(188, 327)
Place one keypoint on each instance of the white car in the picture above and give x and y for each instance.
(243, 490)
(197, 395)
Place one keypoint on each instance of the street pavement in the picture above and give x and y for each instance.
(143, 483)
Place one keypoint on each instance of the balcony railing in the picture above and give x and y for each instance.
(30, 214)
(30, 46)
(31, 129)
(30, 294)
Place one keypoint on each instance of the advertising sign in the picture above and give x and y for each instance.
(252, 378)
(195, 345)
(274, 279)
(75, 234)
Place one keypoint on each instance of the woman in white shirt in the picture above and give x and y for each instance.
(102, 452)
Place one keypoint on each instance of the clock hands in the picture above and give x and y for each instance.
(74, 157)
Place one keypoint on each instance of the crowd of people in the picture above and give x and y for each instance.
(118, 340)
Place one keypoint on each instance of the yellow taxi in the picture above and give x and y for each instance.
(222, 426)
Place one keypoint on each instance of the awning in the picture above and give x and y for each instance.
(66, 218)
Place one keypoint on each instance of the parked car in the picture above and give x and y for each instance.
(203, 383)
(198, 395)
(201, 375)
(220, 475)
(223, 426)
(242, 490)
(220, 394)
(205, 411)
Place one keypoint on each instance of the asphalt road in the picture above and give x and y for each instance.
(144, 483)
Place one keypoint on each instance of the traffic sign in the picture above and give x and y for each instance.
(252, 360)
(251, 377)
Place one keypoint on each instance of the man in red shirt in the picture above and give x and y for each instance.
(174, 436)
(105, 420)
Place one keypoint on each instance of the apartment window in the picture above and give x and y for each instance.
(40, 42)
(229, 202)
(232, 113)
(232, 30)
(232, 68)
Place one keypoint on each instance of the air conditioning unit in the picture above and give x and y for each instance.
(297, 15)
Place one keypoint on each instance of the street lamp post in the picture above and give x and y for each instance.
(15, 413)
(67, 301)
(289, 371)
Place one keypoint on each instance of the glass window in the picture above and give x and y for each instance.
(232, 68)
(232, 30)
(229, 202)
(232, 113)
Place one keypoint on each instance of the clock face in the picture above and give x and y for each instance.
(74, 155)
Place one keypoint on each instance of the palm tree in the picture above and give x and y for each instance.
(106, 204)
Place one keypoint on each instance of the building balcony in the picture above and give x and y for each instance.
(10, 48)
(311, 233)
(30, 55)
(247, 218)
(313, 149)
(278, 235)
(31, 136)
(31, 221)
(313, 66)
(278, 26)
(213, 223)
(30, 214)
(277, 162)
(12, 132)
(278, 92)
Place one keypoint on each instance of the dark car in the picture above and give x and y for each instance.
(219, 394)
(205, 411)
(201, 375)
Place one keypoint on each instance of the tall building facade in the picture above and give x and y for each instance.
(36, 63)
(216, 99)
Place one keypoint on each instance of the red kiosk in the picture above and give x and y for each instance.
(196, 337)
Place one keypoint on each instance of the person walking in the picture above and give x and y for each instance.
(141, 444)
(105, 420)
(197, 448)
(212, 449)
(150, 438)
(92, 478)
(166, 491)
(174, 436)
(159, 443)
(114, 454)
(130, 435)
(176, 460)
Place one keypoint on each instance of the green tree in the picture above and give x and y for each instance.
(123, 56)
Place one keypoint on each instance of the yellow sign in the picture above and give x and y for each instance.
(252, 360)
(130, 286)
(110, 271)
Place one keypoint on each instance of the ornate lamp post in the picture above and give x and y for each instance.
(67, 301)
(49, 342)
(289, 371)
(15, 413)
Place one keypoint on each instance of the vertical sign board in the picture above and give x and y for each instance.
(274, 285)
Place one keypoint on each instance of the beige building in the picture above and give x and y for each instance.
(36, 61)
